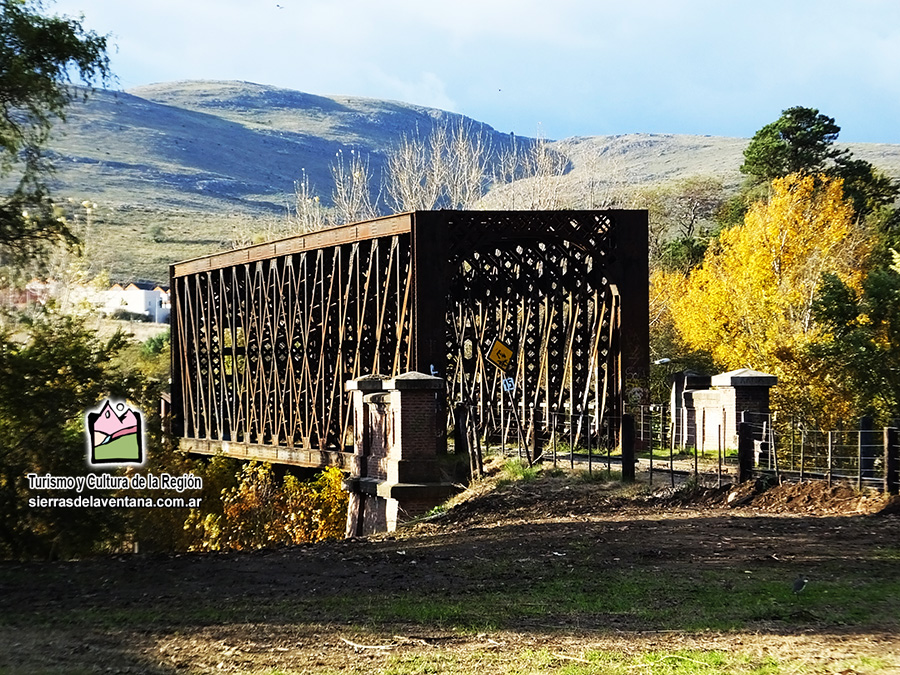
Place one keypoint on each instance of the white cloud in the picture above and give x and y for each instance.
(426, 90)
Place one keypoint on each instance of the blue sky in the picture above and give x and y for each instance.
(558, 69)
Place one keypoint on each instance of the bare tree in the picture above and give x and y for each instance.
(528, 176)
(545, 166)
(601, 180)
(696, 200)
(683, 206)
(467, 160)
(309, 214)
(352, 193)
(448, 169)
(683, 210)
(247, 230)
(508, 166)
(413, 179)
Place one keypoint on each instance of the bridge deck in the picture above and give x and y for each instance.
(313, 459)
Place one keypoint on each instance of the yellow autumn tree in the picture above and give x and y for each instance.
(750, 304)
(665, 342)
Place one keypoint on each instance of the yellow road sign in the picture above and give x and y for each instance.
(500, 354)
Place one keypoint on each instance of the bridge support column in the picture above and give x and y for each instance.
(398, 436)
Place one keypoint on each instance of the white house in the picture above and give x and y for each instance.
(139, 297)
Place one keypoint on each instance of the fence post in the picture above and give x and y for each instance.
(672, 461)
(720, 435)
(628, 447)
(571, 439)
(891, 461)
(531, 438)
(460, 432)
(793, 462)
(745, 452)
(802, 450)
(662, 431)
(553, 421)
(702, 443)
(475, 446)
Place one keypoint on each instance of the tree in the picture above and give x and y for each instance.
(46, 384)
(540, 168)
(800, 140)
(41, 59)
(257, 510)
(861, 345)
(466, 166)
(413, 173)
(453, 166)
(750, 304)
(352, 193)
(448, 169)
(867, 188)
(682, 215)
(309, 212)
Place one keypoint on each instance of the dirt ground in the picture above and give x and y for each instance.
(314, 608)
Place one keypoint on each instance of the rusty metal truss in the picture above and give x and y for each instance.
(265, 337)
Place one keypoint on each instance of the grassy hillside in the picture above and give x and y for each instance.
(179, 170)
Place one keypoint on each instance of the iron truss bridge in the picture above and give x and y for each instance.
(264, 337)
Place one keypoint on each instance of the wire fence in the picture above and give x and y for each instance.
(860, 456)
(581, 438)
(864, 457)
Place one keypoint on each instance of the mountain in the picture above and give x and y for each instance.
(221, 146)
(180, 169)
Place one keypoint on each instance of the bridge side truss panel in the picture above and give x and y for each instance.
(262, 349)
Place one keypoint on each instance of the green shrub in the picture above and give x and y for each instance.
(518, 470)
(258, 511)
(51, 372)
